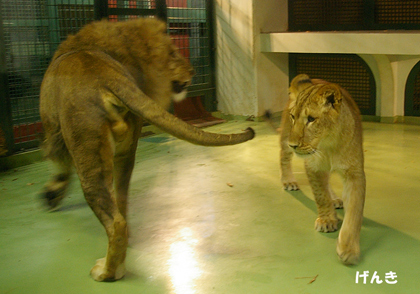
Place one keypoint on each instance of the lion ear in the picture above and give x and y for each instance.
(301, 82)
(332, 96)
(297, 85)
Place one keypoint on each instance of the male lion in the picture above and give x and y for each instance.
(100, 85)
(322, 125)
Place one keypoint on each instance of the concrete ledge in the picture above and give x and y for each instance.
(343, 42)
(20, 159)
(371, 118)
(409, 120)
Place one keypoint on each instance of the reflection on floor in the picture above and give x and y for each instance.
(216, 220)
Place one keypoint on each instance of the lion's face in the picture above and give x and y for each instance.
(314, 116)
(150, 48)
(181, 73)
(166, 57)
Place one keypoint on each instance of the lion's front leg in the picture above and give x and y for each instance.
(348, 244)
(327, 220)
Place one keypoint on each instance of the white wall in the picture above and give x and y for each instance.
(235, 72)
(401, 67)
(247, 81)
(250, 82)
(272, 69)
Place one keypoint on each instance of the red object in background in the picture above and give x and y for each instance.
(133, 4)
(183, 43)
(176, 3)
(112, 3)
(192, 111)
(27, 132)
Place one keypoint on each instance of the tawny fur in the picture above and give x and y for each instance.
(322, 124)
(100, 85)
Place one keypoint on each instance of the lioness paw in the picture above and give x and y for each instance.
(101, 273)
(348, 256)
(338, 203)
(290, 186)
(326, 224)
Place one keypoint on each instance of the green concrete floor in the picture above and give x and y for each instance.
(216, 220)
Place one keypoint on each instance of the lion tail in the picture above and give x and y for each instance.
(140, 104)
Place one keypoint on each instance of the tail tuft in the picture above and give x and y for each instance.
(268, 114)
(252, 131)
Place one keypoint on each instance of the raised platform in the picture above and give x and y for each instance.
(397, 42)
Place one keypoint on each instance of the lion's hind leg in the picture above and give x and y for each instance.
(123, 167)
(98, 191)
(94, 162)
(56, 188)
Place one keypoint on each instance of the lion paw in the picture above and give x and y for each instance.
(326, 224)
(338, 203)
(52, 197)
(101, 273)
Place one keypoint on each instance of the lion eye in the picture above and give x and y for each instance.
(292, 116)
(311, 119)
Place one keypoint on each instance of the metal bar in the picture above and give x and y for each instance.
(5, 107)
(199, 92)
(100, 9)
(161, 11)
(211, 101)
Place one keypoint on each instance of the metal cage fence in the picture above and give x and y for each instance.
(188, 25)
(412, 92)
(31, 31)
(339, 15)
(349, 71)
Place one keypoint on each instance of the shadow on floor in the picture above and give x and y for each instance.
(378, 242)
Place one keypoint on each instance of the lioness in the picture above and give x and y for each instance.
(100, 85)
(322, 125)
